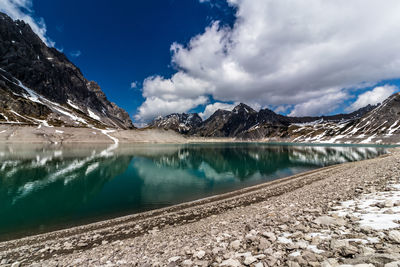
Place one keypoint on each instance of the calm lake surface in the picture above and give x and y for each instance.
(47, 188)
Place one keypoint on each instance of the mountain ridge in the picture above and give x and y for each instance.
(243, 122)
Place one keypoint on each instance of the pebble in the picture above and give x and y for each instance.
(187, 263)
(199, 254)
(231, 263)
(249, 260)
(271, 236)
(235, 244)
(174, 259)
(395, 236)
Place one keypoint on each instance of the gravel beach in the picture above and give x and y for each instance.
(343, 214)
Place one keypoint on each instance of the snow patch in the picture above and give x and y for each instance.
(375, 210)
(5, 117)
(73, 105)
(368, 140)
(93, 115)
(72, 116)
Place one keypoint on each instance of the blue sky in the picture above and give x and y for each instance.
(297, 58)
(121, 42)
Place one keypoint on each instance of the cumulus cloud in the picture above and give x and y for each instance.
(155, 106)
(373, 97)
(22, 10)
(326, 103)
(164, 96)
(211, 108)
(307, 54)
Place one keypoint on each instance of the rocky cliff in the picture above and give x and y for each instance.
(39, 85)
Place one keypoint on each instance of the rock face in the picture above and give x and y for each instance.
(228, 123)
(40, 83)
(243, 122)
(384, 120)
(182, 123)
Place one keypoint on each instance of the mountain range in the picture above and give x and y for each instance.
(380, 122)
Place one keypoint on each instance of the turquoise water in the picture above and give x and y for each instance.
(47, 188)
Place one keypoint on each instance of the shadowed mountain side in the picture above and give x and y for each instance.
(39, 85)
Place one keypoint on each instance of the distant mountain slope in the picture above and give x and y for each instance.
(181, 123)
(39, 84)
(225, 123)
(243, 122)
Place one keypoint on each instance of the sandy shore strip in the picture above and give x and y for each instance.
(17, 134)
(343, 214)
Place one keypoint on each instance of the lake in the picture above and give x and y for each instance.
(44, 188)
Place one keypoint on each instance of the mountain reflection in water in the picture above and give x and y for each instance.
(45, 188)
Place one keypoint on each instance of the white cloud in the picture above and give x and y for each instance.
(133, 84)
(155, 106)
(22, 10)
(282, 108)
(305, 53)
(76, 53)
(211, 108)
(164, 96)
(373, 97)
(319, 105)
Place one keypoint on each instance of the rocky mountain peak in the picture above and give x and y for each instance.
(36, 79)
(243, 108)
(180, 122)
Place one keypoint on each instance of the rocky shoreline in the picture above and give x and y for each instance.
(297, 221)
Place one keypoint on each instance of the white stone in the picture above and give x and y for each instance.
(270, 236)
(174, 259)
(388, 203)
(199, 254)
(187, 263)
(260, 256)
(395, 236)
(230, 263)
(249, 260)
(368, 251)
(393, 264)
(235, 244)
(327, 220)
